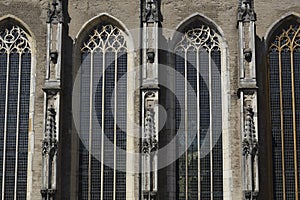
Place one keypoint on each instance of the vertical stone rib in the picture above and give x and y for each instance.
(248, 94)
(52, 100)
(150, 96)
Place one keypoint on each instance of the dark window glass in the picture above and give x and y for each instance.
(103, 120)
(15, 77)
(198, 67)
(284, 103)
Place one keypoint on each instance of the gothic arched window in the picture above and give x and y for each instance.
(103, 111)
(284, 86)
(15, 79)
(199, 117)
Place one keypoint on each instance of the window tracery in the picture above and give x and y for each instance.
(105, 37)
(284, 75)
(198, 59)
(288, 40)
(14, 40)
(200, 37)
(103, 111)
(15, 79)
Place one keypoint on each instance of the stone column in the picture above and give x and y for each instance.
(150, 96)
(52, 89)
(248, 96)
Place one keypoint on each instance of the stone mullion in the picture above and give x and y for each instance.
(281, 124)
(90, 126)
(198, 124)
(186, 126)
(5, 123)
(18, 123)
(102, 122)
(115, 124)
(294, 112)
(211, 123)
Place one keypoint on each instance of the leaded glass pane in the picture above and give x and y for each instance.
(284, 100)
(104, 62)
(15, 77)
(84, 121)
(204, 120)
(23, 125)
(3, 76)
(198, 59)
(217, 126)
(121, 124)
(109, 109)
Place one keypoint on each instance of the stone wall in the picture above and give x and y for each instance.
(79, 12)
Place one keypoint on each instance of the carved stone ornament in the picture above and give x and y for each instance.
(150, 142)
(154, 143)
(44, 192)
(150, 11)
(55, 14)
(246, 147)
(150, 145)
(50, 139)
(149, 121)
(145, 146)
(250, 143)
(246, 11)
(255, 194)
(153, 195)
(50, 192)
(150, 94)
(248, 54)
(146, 194)
(247, 194)
(150, 55)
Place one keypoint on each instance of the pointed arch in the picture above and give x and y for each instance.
(103, 57)
(12, 19)
(18, 60)
(201, 56)
(290, 17)
(283, 59)
(100, 19)
(194, 19)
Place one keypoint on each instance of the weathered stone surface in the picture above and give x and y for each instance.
(223, 13)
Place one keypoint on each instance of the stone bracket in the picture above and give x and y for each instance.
(247, 90)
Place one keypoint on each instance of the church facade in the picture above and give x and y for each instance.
(149, 100)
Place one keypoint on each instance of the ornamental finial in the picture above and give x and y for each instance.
(55, 14)
(246, 11)
(151, 12)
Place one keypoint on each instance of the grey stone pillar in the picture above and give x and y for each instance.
(150, 96)
(248, 97)
(52, 89)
